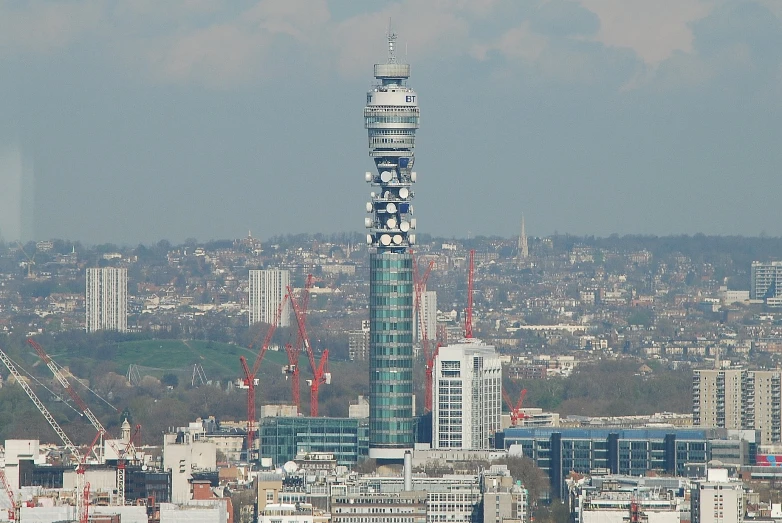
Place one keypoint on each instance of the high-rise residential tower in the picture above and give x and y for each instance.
(739, 399)
(267, 289)
(428, 317)
(523, 252)
(766, 282)
(107, 299)
(391, 120)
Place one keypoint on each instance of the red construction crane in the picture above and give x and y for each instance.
(292, 369)
(320, 376)
(470, 288)
(12, 511)
(515, 411)
(250, 380)
(84, 509)
(419, 284)
(320, 373)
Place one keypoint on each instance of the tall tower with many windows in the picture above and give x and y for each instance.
(267, 289)
(106, 299)
(467, 392)
(391, 120)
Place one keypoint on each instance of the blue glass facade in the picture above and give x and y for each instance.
(618, 451)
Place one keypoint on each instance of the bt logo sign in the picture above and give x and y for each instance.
(409, 99)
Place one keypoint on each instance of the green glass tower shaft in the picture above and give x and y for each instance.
(391, 355)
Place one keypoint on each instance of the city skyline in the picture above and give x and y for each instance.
(186, 119)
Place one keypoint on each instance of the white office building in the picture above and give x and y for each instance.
(107, 299)
(467, 396)
(267, 289)
(427, 315)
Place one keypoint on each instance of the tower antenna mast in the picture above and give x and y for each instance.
(391, 44)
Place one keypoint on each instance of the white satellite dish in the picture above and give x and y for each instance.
(368, 176)
(397, 239)
(404, 192)
(385, 239)
(372, 194)
(391, 223)
(391, 207)
(290, 467)
(413, 176)
(404, 226)
(369, 207)
(386, 176)
(367, 222)
(369, 239)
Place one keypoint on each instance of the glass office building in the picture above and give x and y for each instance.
(346, 438)
(631, 452)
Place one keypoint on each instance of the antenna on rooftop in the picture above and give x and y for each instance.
(391, 44)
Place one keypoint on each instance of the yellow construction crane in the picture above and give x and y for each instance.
(30, 261)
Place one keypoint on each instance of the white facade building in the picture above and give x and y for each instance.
(467, 396)
(718, 499)
(766, 282)
(107, 299)
(428, 315)
(184, 452)
(287, 512)
(267, 289)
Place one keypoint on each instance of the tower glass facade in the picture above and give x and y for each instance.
(391, 353)
(391, 120)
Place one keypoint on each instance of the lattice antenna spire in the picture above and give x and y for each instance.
(391, 44)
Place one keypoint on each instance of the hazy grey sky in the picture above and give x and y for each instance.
(150, 119)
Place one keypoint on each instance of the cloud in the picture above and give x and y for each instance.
(516, 43)
(654, 30)
(40, 27)
(217, 56)
(235, 50)
(227, 43)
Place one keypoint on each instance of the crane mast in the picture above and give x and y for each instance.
(470, 288)
(320, 374)
(293, 351)
(41, 407)
(419, 284)
(94, 421)
(75, 454)
(13, 512)
(249, 379)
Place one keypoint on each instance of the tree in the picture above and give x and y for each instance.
(170, 380)
(524, 469)
(556, 512)
(365, 466)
